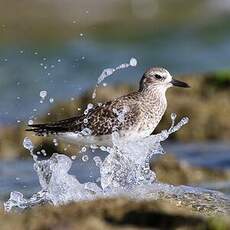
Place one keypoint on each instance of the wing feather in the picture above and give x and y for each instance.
(101, 120)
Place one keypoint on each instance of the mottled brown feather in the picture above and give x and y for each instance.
(101, 120)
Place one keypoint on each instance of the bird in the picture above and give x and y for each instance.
(132, 116)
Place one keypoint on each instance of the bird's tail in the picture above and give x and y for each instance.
(45, 129)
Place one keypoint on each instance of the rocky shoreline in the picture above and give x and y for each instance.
(117, 213)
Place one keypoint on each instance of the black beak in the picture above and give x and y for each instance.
(179, 83)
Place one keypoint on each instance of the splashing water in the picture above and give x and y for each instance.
(125, 171)
(109, 71)
(43, 95)
(27, 144)
(128, 163)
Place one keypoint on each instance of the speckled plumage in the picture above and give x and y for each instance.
(134, 115)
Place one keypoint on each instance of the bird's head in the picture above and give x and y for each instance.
(159, 77)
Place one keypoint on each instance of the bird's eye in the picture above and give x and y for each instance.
(157, 76)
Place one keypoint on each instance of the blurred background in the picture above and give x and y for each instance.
(61, 47)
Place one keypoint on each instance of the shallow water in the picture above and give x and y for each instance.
(214, 155)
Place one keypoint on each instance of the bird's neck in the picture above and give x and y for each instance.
(155, 100)
(154, 93)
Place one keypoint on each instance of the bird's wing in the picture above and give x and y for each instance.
(101, 120)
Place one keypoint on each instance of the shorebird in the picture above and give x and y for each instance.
(133, 116)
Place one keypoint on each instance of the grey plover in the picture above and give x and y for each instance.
(133, 116)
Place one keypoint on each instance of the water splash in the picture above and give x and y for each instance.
(125, 171)
(51, 100)
(128, 162)
(58, 186)
(30, 122)
(126, 165)
(27, 144)
(109, 71)
(43, 95)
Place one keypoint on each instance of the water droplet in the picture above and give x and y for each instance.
(103, 148)
(43, 94)
(85, 158)
(30, 122)
(43, 151)
(27, 144)
(173, 116)
(89, 106)
(133, 61)
(86, 132)
(73, 157)
(97, 161)
(83, 149)
(51, 100)
(93, 146)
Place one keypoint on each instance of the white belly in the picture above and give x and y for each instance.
(103, 140)
(76, 139)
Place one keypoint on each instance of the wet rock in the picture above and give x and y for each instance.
(170, 170)
(119, 213)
